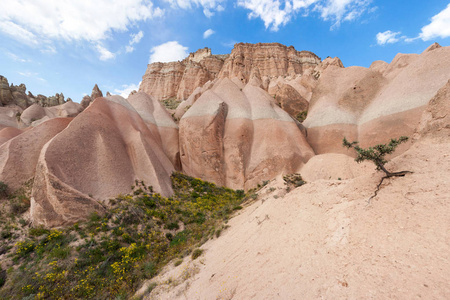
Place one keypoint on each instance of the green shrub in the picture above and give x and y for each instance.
(301, 116)
(196, 253)
(3, 190)
(293, 180)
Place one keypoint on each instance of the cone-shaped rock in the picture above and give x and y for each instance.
(237, 137)
(100, 155)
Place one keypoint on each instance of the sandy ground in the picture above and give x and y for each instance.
(324, 241)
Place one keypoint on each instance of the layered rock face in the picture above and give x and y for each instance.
(266, 59)
(375, 104)
(180, 79)
(100, 155)
(235, 136)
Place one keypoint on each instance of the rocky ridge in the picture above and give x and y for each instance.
(231, 131)
(264, 60)
(16, 95)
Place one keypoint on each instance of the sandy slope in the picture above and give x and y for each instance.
(323, 241)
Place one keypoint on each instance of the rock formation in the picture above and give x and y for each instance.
(38, 113)
(374, 104)
(96, 92)
(268, 59)
(100, 155)
(234, 135)
(180, 79)
(435, 121)
(16, 95)
(231, 129)
(19, 155)
(291, 101)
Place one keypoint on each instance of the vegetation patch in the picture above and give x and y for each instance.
(301, 116)
(107, 257)
(171, 103)
(293, 181)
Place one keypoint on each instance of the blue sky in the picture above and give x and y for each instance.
(68, 46)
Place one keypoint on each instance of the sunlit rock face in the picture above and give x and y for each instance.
(180, 79)
(235, 136)
(100, 155)
(374, 104)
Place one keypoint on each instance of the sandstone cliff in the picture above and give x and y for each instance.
(179, 79)
(263, 60)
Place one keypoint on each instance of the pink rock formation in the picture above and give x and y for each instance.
(160, 123)
(435, 121)
(8, 133)
(375, 104)
(96, 92)
(235, 136)
(291, 101)
(19, 155)
(100, 155)
(36, 112)
(269, 59)
(10, 116)
(179, 79)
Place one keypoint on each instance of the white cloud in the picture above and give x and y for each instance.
(135, 38)
(439, 26)
(17, 58)
(342, 10)
(209, 6)
(17, 32)
(276, 13)
(387, 37)
(127, 89)
(32, 75)
(105, 54)
(208, 33)
(25, 20)
(170, 51)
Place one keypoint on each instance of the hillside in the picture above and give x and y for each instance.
(244, 121)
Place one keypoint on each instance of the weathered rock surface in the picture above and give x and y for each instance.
(180, 79)
(8, 133)
(16, 95)
(160, 123)
(19, 155)
(100, 155)
(291, 101)
(10, 116)
(235, 136)
(435, 121)
(375, 104)
(96, 92)
(36, 112)
(268, 59)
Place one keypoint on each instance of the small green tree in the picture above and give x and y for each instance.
(376, 154)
